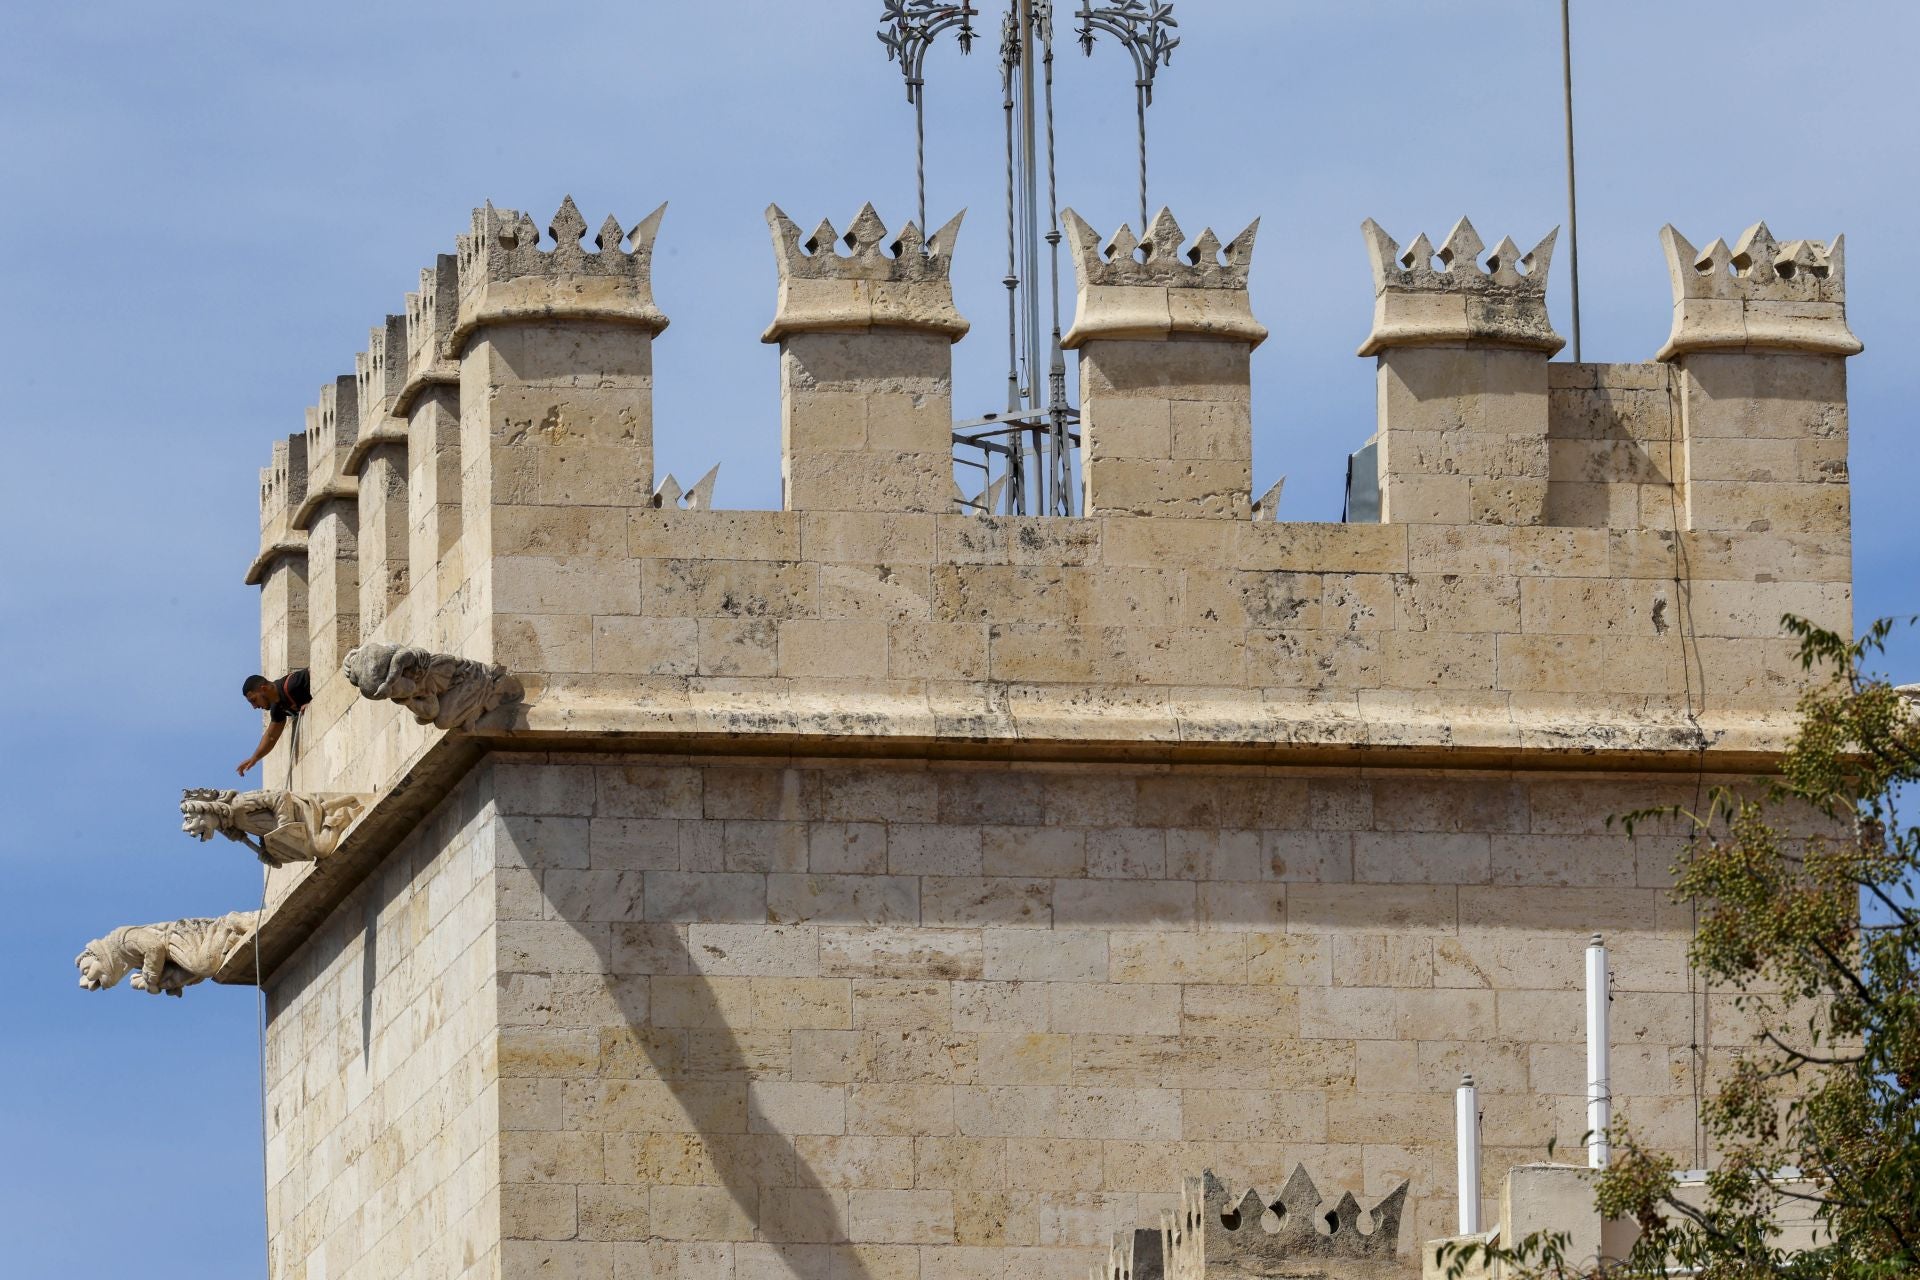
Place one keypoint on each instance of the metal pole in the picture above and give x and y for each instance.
(1030, 241)
(1466, 1140)
(1573, 204)
(1599, 1083)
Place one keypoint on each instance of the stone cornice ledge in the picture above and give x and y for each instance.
(336, 489)
(294, 544)
(1009, 724)
(390, 431)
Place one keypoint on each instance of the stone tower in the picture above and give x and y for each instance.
(865, 891)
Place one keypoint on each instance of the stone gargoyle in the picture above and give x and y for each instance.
(440, 689)
(164, 958)
(279, 826)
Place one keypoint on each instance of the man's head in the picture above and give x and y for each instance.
(259, 692)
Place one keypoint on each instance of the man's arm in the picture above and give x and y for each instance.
(267, 740)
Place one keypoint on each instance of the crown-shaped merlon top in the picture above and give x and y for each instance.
(1499, 302)
(506, 274)
(1759, 295)
(1143, 287)
(283, 487)
(333, 424)
(381, 370)
(432, 312)
(1252, 1236)
(881, 282)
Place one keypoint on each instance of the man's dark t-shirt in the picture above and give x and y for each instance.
(293, 692)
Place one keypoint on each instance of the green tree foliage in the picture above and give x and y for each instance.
(1819, 937)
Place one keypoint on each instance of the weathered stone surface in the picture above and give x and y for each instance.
(280, 826)
(1760, 295)
(440, 689)
(1502, 301)
(166, 958)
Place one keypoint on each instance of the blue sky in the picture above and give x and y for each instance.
(209, 204)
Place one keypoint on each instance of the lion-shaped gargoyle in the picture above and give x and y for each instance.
(164, 958)
(440, 689)
(279, 826)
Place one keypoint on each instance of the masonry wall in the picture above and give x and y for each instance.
(816, 1018)
(382, 1101)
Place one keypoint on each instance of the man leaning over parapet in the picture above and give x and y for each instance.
(287, 696)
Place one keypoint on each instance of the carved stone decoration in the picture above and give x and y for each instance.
(280, 826)
(1760, 295)
(1215, 1235)
(440, 689)
(1142, 287)
(164, 958)
(1497, 299)
(882, 282)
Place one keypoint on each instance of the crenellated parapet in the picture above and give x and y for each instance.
(1757, 359)
(1144, 287)
(1500, 301)
(1760, 295)
(379, 376)
(432, 312)
(1165, 342)
(1462, 354)
(507, 274)
(1215, 1235)
(283, 489)
(866, 365)
(332, 426)
(877, 284)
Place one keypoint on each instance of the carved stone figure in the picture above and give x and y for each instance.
(440, 689)
(164, 958)
(279, 826)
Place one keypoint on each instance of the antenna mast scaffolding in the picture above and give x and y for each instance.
(1032, 443)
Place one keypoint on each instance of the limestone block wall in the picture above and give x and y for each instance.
(1615, 455)
(382, 1106)
(812, 1018)
(910, 895)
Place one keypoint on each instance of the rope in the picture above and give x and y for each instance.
(260, 1005)
(1683, 592)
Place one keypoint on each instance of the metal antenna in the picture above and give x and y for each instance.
(1032, 443)
(908, 28)
(1573, 205)
(1145, 30)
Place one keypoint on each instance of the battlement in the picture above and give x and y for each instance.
(380, 372)
(1516, 596)
(506, 274)
(1759, 295)
(1144, 287)
(1501, 302)
(904, 284)
(432, 313)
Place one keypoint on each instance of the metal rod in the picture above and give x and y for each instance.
(1030, 38)
(1573, 203)
(920, 157)
(1599, 1073)
(1012, 280)
(1140, 114)
(1466, 1142)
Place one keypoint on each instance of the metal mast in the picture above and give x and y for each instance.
(1032, 443)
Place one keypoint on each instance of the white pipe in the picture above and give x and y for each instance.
(1466, 1136)
(1599, 1074)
